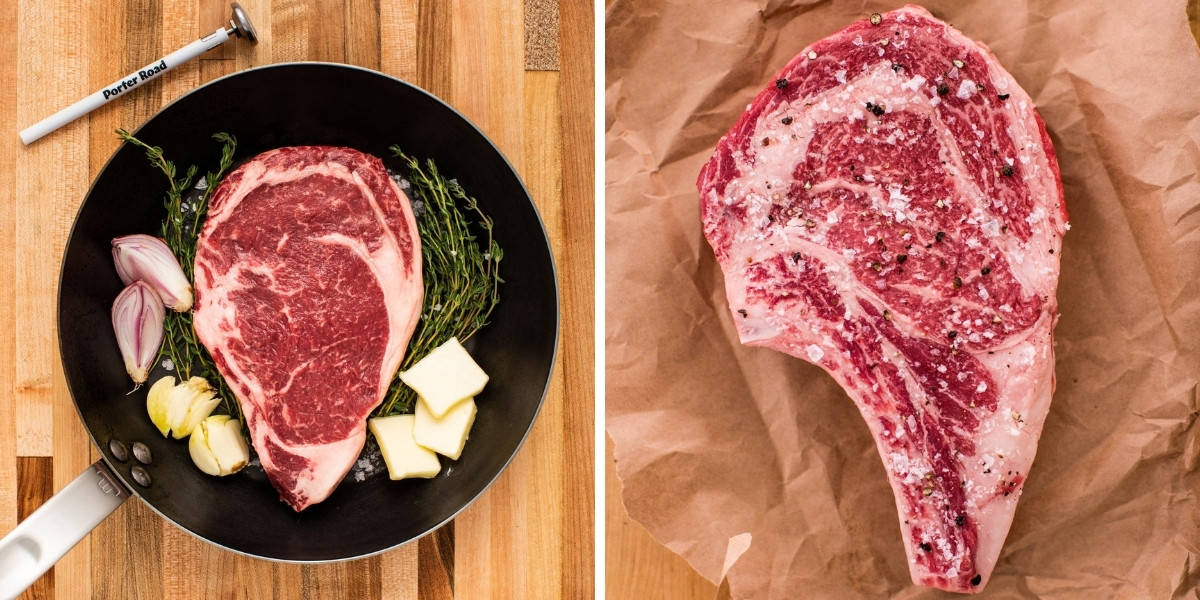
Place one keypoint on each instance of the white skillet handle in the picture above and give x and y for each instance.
(46, 535)
(123, 85)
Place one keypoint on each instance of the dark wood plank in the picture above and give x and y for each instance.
(35, 485)
(435, 563)
(576, 94)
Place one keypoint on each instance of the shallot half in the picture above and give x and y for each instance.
(147, 258)
(137, 318)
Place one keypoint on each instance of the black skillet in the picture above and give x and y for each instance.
(268, 107)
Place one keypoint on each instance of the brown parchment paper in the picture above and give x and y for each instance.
(723, 449)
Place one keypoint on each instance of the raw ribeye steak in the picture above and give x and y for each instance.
(890, 209)
(308, 287)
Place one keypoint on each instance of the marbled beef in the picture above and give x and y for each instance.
(308, 287)
(889, 208)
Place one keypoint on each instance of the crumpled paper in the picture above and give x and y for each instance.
(755, 467)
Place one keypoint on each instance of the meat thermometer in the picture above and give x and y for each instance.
(239, 25)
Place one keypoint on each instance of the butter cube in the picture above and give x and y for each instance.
(404, 458)
(445, 435)
(445, 377)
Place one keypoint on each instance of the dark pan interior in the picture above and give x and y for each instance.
(298, 104)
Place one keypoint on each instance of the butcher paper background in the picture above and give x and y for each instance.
(719, 446)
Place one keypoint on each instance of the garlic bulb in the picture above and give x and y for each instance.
(137, 318)
(147, 258)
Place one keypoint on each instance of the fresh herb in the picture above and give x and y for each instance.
(461, 271)
(180, 230)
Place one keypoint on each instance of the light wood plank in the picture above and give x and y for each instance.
(51, 177)
(398, 38)
(9, 148)
(180, 23)
(252, 55)
(289, 30)
(362, 34)
(499, 553)
(398, 570)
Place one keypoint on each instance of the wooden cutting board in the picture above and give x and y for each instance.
(530, 535)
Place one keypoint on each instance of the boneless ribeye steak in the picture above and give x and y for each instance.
(889, 208)
(308, 284)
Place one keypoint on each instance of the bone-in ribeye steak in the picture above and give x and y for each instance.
(308, 286)
(890, 209)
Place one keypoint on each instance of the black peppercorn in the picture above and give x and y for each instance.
(787, 121)
(901, 258)
(976, 579)
(939, 236)
(926, 546)
(781, 83)
(942, 89)
(1006, 170)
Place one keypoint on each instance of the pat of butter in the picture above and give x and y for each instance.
(445, 435)
(445, 377)
(400, 451)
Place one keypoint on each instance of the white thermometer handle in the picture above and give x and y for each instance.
(123, 85)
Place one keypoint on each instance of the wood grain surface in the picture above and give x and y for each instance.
(530, 535)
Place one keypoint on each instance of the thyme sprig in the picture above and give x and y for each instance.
(186, 209)
(461, 272)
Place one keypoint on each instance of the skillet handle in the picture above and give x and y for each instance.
(46, 535)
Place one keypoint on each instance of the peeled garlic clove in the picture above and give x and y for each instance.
(217, 446)
(147, 258)
(137, 318)
(157, 401)
(189, 403)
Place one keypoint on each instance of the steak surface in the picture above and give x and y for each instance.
(889, 208)
(308, 285)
